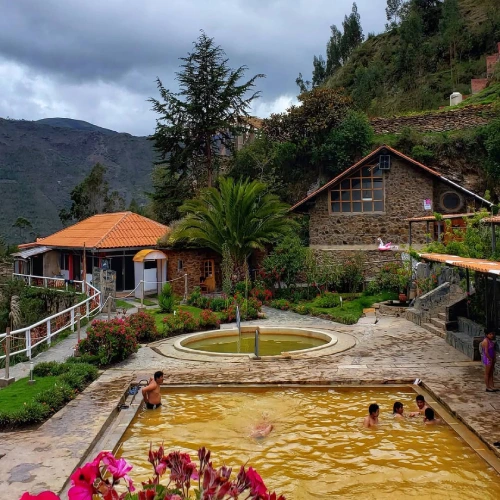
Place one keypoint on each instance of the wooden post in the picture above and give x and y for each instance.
(109, 307)
(427, 236)
(78, 326)
(185, 286)
(142, 294)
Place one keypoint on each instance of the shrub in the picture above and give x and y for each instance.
(282, 304)
(209, 319)
(345, 319)
(166, 299)
(192, 300)
(327, 300)
(241, 287)
(49, 368)
(262, 294)
(56, 396)
(83, 358)
(79, 376)
(112, 341)
(143, 325)
(302, 309)
(217, 304)
(180, 322)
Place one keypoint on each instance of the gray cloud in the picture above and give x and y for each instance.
(97, 59)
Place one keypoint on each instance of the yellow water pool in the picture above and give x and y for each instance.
(318, 448)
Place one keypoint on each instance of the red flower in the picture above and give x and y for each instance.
(45, 495)
(257, 486)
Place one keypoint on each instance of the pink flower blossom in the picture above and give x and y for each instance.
(45, 495)
(257, 486)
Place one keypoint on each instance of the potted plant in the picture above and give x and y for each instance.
(404, 279)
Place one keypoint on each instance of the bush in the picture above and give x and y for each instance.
(166, 299)
(217, 304)
(56, 396)
(241, 287)
(83, 358)
(302, 309)
(144, 326)
(209, 319)
(262, 294)
(282, 304)
(180, 322)
(49, 368)
(112, 341)
(327, 300)
(345, 319)
(79, 376)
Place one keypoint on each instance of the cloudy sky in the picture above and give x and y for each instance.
(97, 60)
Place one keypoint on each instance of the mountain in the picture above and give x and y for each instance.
(40, 164)
(75, 124)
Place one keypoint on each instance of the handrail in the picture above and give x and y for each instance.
(26, 338)
(46, 280)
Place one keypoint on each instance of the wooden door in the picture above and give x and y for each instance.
(209, 275)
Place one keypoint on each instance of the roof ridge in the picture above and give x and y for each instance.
(113, 227)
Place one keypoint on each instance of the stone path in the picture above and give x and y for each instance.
(390, 351)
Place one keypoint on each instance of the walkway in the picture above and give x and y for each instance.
(391, 351)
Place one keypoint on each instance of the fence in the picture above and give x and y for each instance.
(24, 340)
(56, 283)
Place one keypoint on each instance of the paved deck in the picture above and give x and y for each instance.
(392, 350)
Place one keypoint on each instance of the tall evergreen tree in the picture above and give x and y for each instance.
(202, 119)
(393, 11)
(353, 33)
(319, 71)
(333, 51)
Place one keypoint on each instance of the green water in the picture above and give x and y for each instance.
(269, 345)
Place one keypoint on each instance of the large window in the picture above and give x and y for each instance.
(362, 192)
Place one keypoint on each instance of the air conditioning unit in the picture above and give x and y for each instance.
(384, 162)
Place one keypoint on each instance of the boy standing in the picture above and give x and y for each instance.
(151, 393)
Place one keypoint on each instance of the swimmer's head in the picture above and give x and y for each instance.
(158, 377)
(397, 408)
(420, 401)
(429, 414)
(373, 409)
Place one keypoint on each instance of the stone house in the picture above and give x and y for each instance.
(373, 198)
(123, 242)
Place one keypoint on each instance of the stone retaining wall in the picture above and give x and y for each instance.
(469, 117)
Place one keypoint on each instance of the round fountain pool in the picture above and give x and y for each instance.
(273, 341)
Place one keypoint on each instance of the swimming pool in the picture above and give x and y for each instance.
(318, 447)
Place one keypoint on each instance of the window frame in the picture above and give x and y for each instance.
(366, 193)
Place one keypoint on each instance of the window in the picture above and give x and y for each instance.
(363, 192)
(208, 268)
(64, 262)
(451, 201)
(180, 265)
(150, 264)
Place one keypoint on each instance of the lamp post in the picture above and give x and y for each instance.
(31, 380)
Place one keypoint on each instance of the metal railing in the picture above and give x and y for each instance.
(55, 283)
(24, 340)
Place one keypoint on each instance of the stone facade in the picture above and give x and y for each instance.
(455, 119)
(405, 188)
(192, 265)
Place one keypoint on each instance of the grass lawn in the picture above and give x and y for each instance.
(352, 310)
(123, 304)
(13, 397)
(149, 302)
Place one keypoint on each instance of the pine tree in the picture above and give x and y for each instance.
(333, 51)
(202, 119)
(353, 33)
(319, 71)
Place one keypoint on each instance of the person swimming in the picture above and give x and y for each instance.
(397, 410)
(430, 417)
(421, 406)
(263, 428)
(372, 419)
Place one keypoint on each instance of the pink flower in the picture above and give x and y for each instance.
(86, 474)
(118, 468)
(81, 491)
(257, 486)
(45, 495)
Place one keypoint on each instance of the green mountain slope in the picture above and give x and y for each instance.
(41, 164)
(418, 64)
(75, 124)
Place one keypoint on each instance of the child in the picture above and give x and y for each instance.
(372, 419)
(397, 410)
(488, 356)
(430, 417)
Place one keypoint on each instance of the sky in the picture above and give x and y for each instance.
(97, 60)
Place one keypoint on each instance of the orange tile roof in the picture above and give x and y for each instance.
(116, 230)
(433, 217)
(480, 265)
(354, 167)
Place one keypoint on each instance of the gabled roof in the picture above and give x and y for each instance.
(367, 158)
(116, 230)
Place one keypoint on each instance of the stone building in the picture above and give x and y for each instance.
(373, 198)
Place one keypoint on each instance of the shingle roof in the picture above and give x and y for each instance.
(495, 219)
(116, 230)
(443, 216)
(354, 167)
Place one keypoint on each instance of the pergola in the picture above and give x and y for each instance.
(432, 218)
(489, 269)
(494, 221)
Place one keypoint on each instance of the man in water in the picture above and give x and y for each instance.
(263, 428)
(430, 417)
(151, 393)
(421, 405)
(372, 419)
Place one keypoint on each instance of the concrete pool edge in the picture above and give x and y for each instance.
(111, 436)
(171, 347)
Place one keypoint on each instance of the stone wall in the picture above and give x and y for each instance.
(6, 270)
(455, 119)
(192, 265)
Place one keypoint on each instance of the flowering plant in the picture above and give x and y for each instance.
(101, 477)
(143, 325)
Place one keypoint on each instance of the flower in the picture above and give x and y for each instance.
(44, 495)
(257, 486)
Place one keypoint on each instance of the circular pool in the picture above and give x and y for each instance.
(272, 341)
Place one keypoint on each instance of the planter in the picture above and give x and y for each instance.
(403, 298)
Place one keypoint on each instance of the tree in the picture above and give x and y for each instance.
(304, 86)
(239, 214)
(92, 196)
(393, 11)
(334, 51)
(22, 224)
(353, 33)
(451, 27)
(207, 113)
(319, 71)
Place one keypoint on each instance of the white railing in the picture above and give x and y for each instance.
(25, 339)
(46, 282)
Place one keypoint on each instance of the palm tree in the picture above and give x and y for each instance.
(240, 214)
